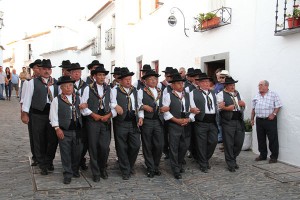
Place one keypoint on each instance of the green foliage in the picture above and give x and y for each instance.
(248, 126)
(204, 17)
(296, 13)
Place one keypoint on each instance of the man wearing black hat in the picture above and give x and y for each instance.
(178, 124)
(193, 84)
(188, 80)
(140, 84)
(124, 101)
(232, 119)
(65, 118)
(65, 65)
(204, 101)
(39, 94)
(95, 63)
(151, 121)
(116, 75)
(97, 96)
(36, 73)
(79, 86)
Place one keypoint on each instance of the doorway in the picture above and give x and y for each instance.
(211, 67)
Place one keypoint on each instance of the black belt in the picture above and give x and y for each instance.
(262, 118)
(236, 115)
(208, 118)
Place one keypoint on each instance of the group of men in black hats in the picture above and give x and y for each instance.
(78, 114)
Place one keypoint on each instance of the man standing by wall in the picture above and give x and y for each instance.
(15, 82)
(266, 105)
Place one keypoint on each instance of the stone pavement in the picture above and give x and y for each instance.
(20, 181)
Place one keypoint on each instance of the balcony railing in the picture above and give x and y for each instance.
(96, 48)
(224, 18)
(287, 17)
(110, 39)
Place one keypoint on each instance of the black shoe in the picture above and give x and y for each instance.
(157, 172)
(166, 156)
(96, 178)
(51, 168)
(208, 167)
(84, 167)
(125, 176)
(67, 180)
(236, 166)
(76, 174)
(272, 160)
(34, 163)
(260, 158)
(231, 169)
(182, 170)
(150, 174)
(132, 171)
(103, 174)
(44, 171)
(203, 169)
(177, 176)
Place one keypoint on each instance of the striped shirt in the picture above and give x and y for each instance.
(265, 105)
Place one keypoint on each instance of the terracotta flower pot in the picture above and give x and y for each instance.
(210, 23)
(292, 20)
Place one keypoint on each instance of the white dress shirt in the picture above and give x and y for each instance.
(220, 98)
(53, 115)
(24, 92)
(114, 103)
(29, 93)
(140, 100)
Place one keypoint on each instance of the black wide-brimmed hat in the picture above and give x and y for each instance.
(196, 72)
(168, 70)
(230, 80)
(46, 63)
(36, 62)
(99, 69)
(190, 71)
(173, 72)
(150, 73)
(116, 71)
(93, 63)
(203, 76)
(75, 66)
(176, 78)
(146, 67)
(65, 79)
(65, 64)
(124, 72)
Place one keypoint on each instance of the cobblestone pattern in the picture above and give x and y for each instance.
(20, 181)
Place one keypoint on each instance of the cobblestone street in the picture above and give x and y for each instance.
(21, 181)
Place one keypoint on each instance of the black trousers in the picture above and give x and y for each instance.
(99, 140)
(267, 128)
(128, 144)
(206, 138)
(45, 140)
(70, 151)
(179, 140)
(84, 141)
(193, 145)
(31, 142)
(233, 139)
(153, 141)
(166, 138)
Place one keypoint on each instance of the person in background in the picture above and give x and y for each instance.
(116, 75)
(182, 72)
(15, 82)
(8, 83)
(65, 65)
(140, 84)
(188, 80)
(266, 106)
(2, 82)
(24, 75)
(92, 66)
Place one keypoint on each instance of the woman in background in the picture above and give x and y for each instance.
(8, 83)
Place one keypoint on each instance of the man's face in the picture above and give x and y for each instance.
(262, 87)
(65, 72)
(168, 77)
(151, 81)
(1, 69)
(14, 71)
(24, 69)
(126, 81)
(220, 77)
(230, 87)
(76, 74)
(178, 86)
(36, 70)
(203, 84)
(100, 78)
(116, 77)
(67, 88)
(182, 73)
(45, 72)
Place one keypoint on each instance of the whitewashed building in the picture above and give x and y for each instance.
(136, 32)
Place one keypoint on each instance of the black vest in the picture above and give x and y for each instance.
(65, 115)
(191, 87)
(140, 85)
(199, 100)
(228, 101)
(148, 100)
(84, 85)
(175, 106)
(93, 101)
(40, 93)
(89, 80)
(122, 101)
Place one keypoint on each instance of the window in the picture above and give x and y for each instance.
(96, 49)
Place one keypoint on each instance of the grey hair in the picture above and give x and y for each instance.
(266, 82)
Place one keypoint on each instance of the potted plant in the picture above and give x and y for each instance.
(294, 19)
(208, 20)
(248, 135)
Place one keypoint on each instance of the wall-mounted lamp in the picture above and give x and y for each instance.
(1, 20)
(172, 21)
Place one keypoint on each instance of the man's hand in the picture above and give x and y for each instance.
(271, 117)
(147, 108)
(83, 106)
(195, 110)
(140, 122)
(252, 122)
(164, 109)
(221, 105)
(230, 108)
(241, 103)
(119, 109)
(25, 117)
(105, 118)
(96, 117)
(60, 134)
